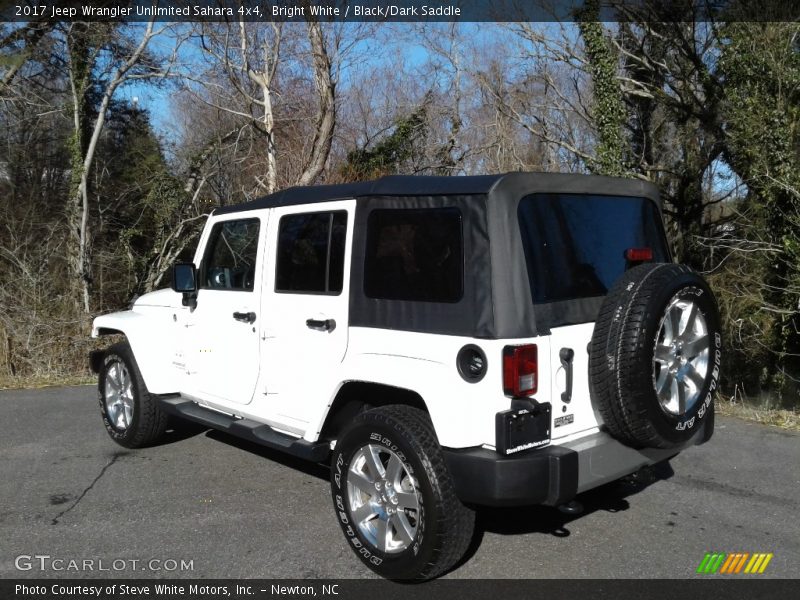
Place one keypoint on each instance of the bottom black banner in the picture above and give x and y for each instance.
(346, 589)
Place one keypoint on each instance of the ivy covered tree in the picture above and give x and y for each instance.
(393, 154)
(760, 67)
(608, 108)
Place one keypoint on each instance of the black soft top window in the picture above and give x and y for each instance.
(575, 243)
(415, 255)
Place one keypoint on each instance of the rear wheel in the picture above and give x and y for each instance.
(394, 497)
(130, 413)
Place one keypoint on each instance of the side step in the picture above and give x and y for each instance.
(246, 429)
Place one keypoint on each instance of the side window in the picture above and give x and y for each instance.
(415, 254)
(311, 253)
(229, 262)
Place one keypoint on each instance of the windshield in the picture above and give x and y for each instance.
(575, 243)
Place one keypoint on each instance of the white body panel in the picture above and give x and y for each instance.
(462, 413)
(222, 354)
(578, 415)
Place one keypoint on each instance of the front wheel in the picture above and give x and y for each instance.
(130, 413)
(394, 497)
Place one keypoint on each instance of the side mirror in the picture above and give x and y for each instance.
(184, 280)
(184, 277)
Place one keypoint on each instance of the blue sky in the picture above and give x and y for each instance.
(156, 98)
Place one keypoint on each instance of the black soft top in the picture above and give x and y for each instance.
(391, 185)
(497, 301)
(464, 185)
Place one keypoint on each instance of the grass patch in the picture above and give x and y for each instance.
(759, 413)
(42, 381)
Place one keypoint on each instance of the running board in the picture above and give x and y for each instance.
(247, 429)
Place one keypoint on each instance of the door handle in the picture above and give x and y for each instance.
(321, 325)
(566, 355)
(245, 317)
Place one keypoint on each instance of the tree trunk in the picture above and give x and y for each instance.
(77, 210)
(82, 60)
(326, 114)
(269, 131)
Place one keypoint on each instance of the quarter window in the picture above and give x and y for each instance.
(415, 254)
(230, 259)
(311, 253)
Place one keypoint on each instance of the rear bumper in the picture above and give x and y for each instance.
(551, 475)
(546, 476)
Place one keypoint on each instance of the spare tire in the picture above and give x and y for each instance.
(655, 355)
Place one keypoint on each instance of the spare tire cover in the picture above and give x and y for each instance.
(655, 356)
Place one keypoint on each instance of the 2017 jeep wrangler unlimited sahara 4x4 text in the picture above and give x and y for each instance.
(443, 342)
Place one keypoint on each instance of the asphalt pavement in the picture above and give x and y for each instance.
(230, 509)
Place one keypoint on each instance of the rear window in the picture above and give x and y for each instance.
(415, 254)
(575, 244)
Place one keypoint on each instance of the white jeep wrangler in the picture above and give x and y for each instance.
(444, 342)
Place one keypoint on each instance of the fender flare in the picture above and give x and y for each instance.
(155, 360)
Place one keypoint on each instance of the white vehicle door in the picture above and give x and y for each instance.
(305, 308)
(222, 341)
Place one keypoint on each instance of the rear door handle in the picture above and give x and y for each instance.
(321, 325)
(566, 355)
(245, 317)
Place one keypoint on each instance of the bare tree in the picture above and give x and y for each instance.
(18, 45)
(251, 68)
(120, 56)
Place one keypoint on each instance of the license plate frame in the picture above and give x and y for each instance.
(523, 429)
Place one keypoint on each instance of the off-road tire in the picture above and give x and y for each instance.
(621, 358)
(445, 526)
(148, 422)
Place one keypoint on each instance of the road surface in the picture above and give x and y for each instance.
(231, 509)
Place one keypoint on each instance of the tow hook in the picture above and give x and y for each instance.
(644, 476)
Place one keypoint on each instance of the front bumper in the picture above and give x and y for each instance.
(552, 475)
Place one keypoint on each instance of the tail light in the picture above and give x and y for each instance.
(520, 370)
(639, 254)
